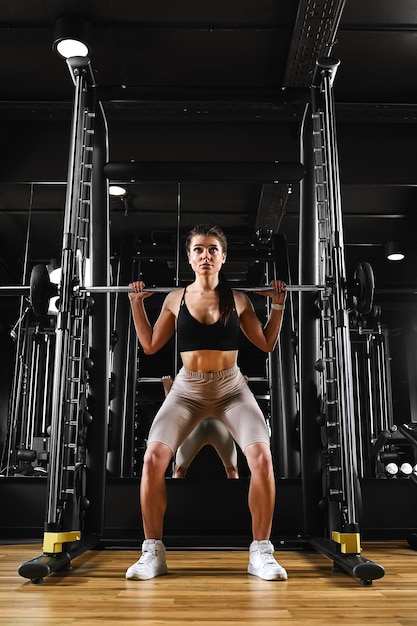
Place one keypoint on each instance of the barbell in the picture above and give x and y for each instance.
(41, 289)
(169, 289)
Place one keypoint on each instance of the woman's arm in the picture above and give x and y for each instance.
(151, 338)
(264, 338)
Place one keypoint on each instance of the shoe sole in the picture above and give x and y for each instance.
(254, 572)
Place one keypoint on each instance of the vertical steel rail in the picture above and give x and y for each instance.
(29, 417)
(273, 377)
(372, 407)
(384, 384)
(343, 351)
(63, 327)
(99, 376)
(283, 382)
(362, 440)
(344, 548)
(62, 536)
(308, 338)
(46, 378)
(34, 392)
(177, 270)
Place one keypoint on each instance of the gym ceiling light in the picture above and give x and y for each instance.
(394, 251)
(72, 37)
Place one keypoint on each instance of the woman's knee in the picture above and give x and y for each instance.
(157, 457)
(259, 459)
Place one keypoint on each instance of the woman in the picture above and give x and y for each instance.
(208, 315)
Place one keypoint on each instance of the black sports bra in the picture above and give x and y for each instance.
(193, 335)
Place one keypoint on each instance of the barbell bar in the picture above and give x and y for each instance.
(116, 289)
(15, 290)
(41, 290)
(25, 290)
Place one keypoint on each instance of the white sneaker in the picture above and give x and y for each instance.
(152, 562)
(262, 562)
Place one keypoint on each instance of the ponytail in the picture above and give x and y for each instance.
(226, 299)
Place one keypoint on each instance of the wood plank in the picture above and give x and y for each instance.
(209, 588)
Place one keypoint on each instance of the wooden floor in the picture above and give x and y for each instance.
(209, 588)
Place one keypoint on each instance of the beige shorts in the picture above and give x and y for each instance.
(197, 395)
(209, 432)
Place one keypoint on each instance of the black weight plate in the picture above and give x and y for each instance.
(365, 283)
(41, 290)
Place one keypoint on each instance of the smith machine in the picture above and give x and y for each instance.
(78, 432)
(341, 497)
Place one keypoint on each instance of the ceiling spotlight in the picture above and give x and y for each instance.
(394, 251)
(72, 37)
(116, 190)
(69, 48)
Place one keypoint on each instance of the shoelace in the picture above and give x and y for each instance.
(147, 556)
(266, 557)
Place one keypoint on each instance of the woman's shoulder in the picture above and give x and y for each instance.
(173, 300)
(242, 301)
(239, 295)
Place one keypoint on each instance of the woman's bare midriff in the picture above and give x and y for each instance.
(209, 360)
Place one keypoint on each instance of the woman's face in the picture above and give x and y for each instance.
(206, 255)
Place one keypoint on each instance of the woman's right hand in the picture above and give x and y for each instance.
(138, 292)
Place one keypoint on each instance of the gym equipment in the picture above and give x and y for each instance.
(340, 480)
(66, 499)
(365, 282)
(41, 290)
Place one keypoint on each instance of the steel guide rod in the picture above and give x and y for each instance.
(63, 328)
(344, 547)
(61, 523)
(343, 353)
